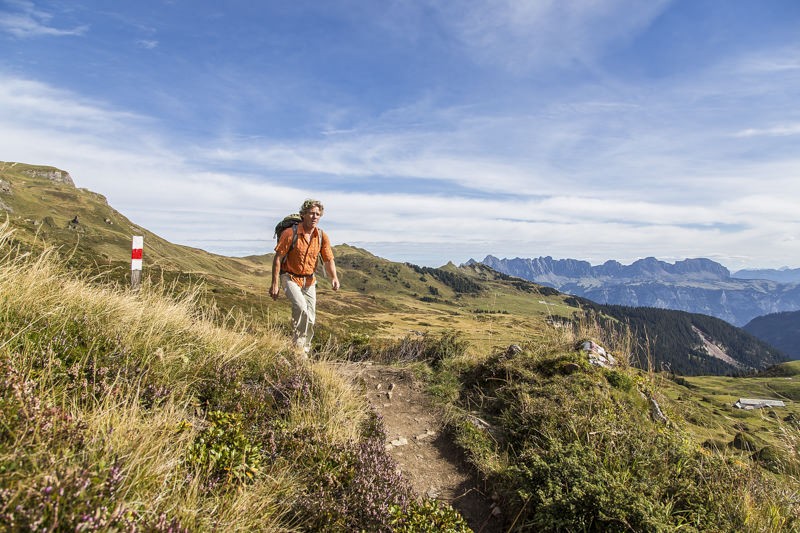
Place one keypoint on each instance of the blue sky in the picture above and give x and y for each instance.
(433, 131)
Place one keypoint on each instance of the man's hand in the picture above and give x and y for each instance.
(330, 268)
(275, 291)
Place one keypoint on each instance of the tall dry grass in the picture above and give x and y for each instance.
(104, 394)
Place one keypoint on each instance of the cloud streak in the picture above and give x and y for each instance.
(26, 21)
(523, 35)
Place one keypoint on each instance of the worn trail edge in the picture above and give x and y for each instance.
(424, 453)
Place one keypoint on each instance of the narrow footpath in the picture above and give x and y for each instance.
(424, 453)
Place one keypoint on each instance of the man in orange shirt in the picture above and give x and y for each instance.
(293, 267)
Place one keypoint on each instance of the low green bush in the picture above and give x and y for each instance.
(223, 452)
(620, 380)
(428, 516)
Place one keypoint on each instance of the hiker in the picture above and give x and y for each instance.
(295, 261)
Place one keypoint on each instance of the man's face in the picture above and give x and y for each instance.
(311, 217)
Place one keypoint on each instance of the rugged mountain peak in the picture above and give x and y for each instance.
(652, 268)
(701, 265)
(554, 271)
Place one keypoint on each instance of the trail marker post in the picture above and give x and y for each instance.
(136, 261)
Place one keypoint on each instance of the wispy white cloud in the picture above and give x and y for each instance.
(776, 61)
(523, 34)
(775, 131)
(147, 44)
(25, 20)
(33, 102)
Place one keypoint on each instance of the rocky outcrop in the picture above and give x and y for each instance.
(52, 174)
(5, 189)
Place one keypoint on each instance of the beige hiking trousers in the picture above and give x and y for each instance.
(304, 305)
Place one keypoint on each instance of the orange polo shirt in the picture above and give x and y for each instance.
(301, 261)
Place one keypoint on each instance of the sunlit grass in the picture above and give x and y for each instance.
(148, 411)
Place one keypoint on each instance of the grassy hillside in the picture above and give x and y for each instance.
(708, 401)
(140, 412)
(378, 297)
(183, 407)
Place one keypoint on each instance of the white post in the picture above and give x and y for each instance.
(136, 261)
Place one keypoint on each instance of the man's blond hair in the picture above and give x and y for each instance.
(309, 204)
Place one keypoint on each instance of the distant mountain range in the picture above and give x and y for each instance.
(693, 285)
(781, 275)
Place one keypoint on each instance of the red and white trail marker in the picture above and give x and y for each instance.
(137, 250)
(136, 253)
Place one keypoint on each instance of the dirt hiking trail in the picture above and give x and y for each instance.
(424, 453)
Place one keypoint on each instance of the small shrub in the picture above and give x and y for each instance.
(448, 345)
(357, 346)
(354, 485)
(77, 498)
(429, 516)
(425, 347)
(223, 452)
(620, 380)
(771, 458)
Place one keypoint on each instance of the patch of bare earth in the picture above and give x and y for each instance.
(426, 456)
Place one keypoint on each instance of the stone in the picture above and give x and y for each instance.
(513, 350)
(656, 413)
(401, 441)
(422, 436)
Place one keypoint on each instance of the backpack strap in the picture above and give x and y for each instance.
(294, 242)
(291, 246)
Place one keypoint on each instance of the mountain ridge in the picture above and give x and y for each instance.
(696, 285)
(781, 275)
(781, 330)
